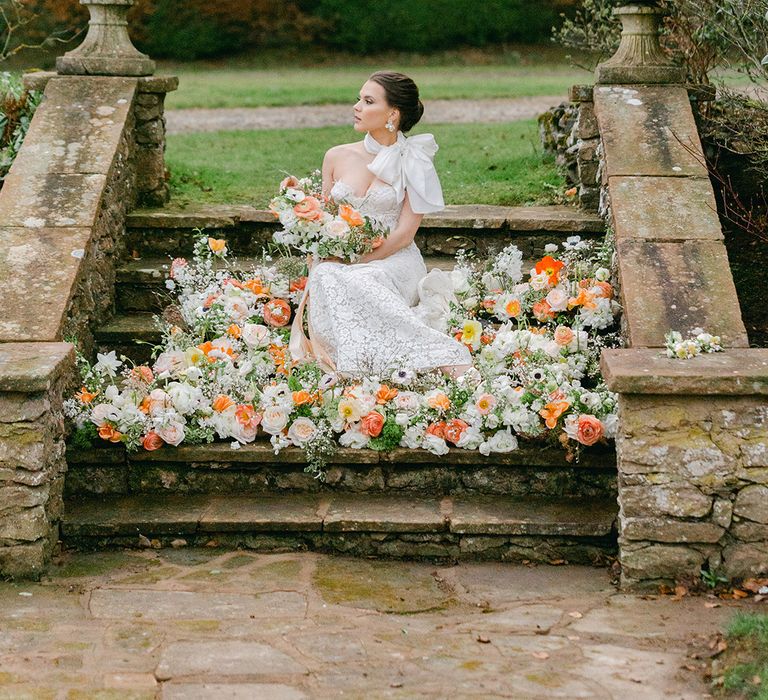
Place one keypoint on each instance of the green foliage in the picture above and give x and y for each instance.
(17, 106)
(745, 662)
(430, 24)
(749, 625)
(389, 438)
(84, 438)
(711, 578)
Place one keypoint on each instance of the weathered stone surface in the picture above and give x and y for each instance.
(722, 512)
(76, 126)
(56, 251)
(52, 200)
(24, 524)
(664, 209)
(752, 503)
(474, 515)
(117, 604)
(32, 367)
(670, 530)
(734, 372)
(22, 407)
(383, 514)
(25, 560)
(158, 83)
(580, 93)
(658, 561)
(678, 286)
(286, 513)
(746, 559)
(648, 130)
(677, 500)
(225, 658)
(231, 691)
(586, 126)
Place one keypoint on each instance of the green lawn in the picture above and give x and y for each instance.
(477, 163)
(744, 665)
(245, 87)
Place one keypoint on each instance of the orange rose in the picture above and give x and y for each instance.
(86, 396)
(588, 429)
(583, 298)
(551, 266)
(385, 394)
(437, 429)
(371, 424)
(552, 411)
(563, 336)
(351, 215)
(542, 311)
(152, 441)
(301, 397)
(222, 403)
(298, 285)
(439, 401)
(308, 208)
(256, 287)
(277, 312)
(454, 429)
(217, 245)
(107, 432)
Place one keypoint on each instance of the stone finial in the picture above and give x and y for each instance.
(639, 58)
(107, 48)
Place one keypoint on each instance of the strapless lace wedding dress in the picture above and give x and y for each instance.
(361, 316)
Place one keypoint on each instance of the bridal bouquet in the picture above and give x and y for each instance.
(319, 226)
(223, 369)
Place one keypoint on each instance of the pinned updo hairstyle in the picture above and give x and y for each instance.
(401, 92)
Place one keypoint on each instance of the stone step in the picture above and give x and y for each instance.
(481, 228)
(531, 470)
(140, 283)
(453, 527)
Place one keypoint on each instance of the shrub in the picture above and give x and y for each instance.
(16, 109)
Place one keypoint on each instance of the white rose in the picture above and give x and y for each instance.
(295, 195)
(460, 281)
(502, 441)
(274, 420)
(301, 430)
(102, 412)
(435, 445)
(255, 335)
(557, 299)
(471, 438)
(172, 433)
(407, 401)
(602, 274)
(353, 438)
(186, 399)
(336, 228)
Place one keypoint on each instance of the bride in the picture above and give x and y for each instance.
(361, 316)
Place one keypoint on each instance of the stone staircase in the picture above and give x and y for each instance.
(530, 505)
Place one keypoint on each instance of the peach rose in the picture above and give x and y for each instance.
(588, 429)
(277, 312)
(152, 441)
(606, 290)
(309, 209)
(351, 215)
(437, 429)
(563, 336)
(301, 397)
(542, 311)
(289, 181)
(376, 242)
(439, 401)
(298, 285)
(371, 424)
(454, 429)
(107, 432)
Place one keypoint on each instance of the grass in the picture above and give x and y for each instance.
(746, 659)
(488, 163)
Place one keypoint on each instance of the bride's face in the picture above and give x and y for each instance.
(372, 110)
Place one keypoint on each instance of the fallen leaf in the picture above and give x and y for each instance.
(576, 614)
(540, 654)
(711, 605)
(689, 667)
(680, 592)
(738, 593)
(178, 544)
(753, 585)
(396, 684)
(482, 639)
(557, 562)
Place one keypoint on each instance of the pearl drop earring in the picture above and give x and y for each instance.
(389, 126)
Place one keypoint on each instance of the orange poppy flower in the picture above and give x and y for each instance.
(385, 394)
(222, 403)
(86, 396)
(552, 411)
(351, 215)
(234, 330)
(217, 245)
(551, 266)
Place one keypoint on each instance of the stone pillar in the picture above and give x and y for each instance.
(693, 464)
(33, 379)
(107, 48)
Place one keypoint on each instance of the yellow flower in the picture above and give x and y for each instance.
(218, 246)
(471, 333)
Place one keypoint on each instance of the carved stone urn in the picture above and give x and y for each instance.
(107, 49)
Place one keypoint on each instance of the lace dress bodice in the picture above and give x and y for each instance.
(379, 204)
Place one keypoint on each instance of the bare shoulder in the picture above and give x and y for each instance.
(343, 150)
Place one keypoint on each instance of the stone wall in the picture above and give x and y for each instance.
(693, 464)
(33, 379)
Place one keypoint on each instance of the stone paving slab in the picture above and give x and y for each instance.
(630, 117)
(348, 513)
(684, 209)
(290, 626)
(290, 513)
(25, 253)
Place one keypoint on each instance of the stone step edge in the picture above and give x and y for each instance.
(528, 455)
(338, 513)
(476, 216)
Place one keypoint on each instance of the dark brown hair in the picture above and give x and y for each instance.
(401, 92)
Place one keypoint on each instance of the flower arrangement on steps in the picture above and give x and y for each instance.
(223, 371)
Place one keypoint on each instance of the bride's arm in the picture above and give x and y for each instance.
(328, 165)
(400, 236)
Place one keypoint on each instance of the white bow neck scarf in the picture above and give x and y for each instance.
(407, 165)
